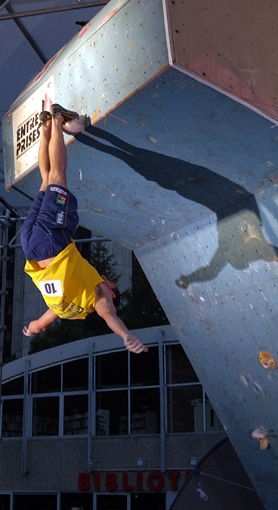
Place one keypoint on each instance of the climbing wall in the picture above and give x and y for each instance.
(185, 175)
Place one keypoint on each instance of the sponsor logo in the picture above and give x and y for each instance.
(59, 190)
(61, 199)
(27, 134)
(60, 218)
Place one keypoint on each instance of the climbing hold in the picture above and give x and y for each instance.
(261, 435)
(267, 360)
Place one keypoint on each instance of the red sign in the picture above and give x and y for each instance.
(153, 481)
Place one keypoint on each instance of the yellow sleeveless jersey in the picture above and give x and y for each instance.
(67, 284)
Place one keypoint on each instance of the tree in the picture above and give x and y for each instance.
(103, 261)
(141, 308)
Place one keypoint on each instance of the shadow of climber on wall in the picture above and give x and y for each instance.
(240, 236)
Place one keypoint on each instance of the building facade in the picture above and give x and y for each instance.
(88, 425)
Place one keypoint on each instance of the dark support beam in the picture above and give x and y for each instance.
(36, 12)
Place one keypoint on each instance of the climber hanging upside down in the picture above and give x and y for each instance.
(70, 286)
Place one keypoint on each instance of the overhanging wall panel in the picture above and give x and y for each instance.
(229, 45)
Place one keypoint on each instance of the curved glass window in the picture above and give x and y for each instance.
(45, 416)
(179, 368)
(185, 411)
(145, 411)
(112, 370)
(75, 415)
(75, 375)
(12, 417)
(144, 369)
(111, 413)
(13, 387)
(124, 391)
(47, 380)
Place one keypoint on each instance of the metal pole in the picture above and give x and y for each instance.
(4, 4)
(25, 417)
(162, 401)
(3, 292)
(91, 414)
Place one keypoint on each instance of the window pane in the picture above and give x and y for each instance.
(212, 421)
(14, 387)
(147, 501)
(69, 501)
(144, 369)
(145, 413)
(33, 502)
(75, 375)
(12, 418)
(185, 409)
(5, 501)
(111, 502)
(46, 416)
(76, 415)
(111, 416)
(179, 368)
(111, 370)
(47, 380)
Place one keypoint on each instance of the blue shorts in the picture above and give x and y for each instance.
(51, 222)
